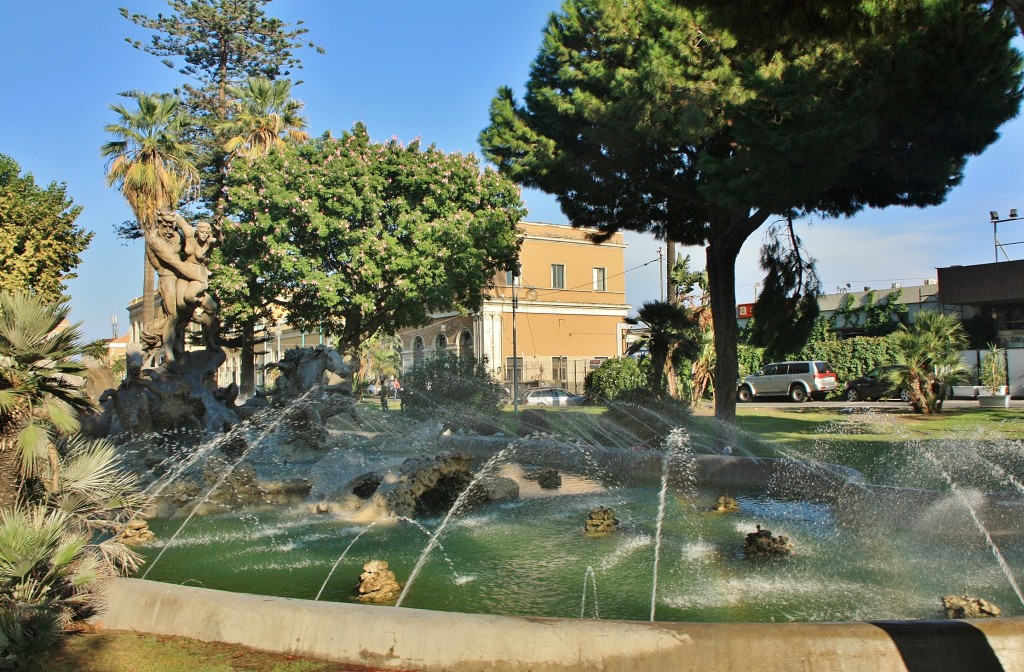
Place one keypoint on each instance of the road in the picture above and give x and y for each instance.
(894, 404)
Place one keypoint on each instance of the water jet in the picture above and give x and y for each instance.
(859, 589)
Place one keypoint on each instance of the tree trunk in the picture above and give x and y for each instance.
(10, 468)
(721, 268)
(726, 239)
(671, 375)
(10, 461)
(247, 358)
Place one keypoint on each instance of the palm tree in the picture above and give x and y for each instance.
(671, 338)
(44, 579)
(152, 163)
(381, 355)
(928, 353)
(63, 503)
(51, 566)
(41, 387)
(265, 116)
(703, 368)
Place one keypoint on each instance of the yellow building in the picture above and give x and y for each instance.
(570, 310)
(566, 312)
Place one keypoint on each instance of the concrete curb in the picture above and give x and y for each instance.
(405, 639)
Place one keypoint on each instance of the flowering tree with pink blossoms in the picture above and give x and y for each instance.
(355, 238)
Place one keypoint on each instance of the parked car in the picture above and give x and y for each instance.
(551, 396)
(874, 385)
(796, 380)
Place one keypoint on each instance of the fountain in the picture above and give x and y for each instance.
(863, 588)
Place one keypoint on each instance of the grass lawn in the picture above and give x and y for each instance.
(878, 443)
(123, 651)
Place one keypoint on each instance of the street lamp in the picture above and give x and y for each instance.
(531, 294)
(996, 220)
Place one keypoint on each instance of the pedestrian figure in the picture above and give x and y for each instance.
(383, 393)
(396, 389)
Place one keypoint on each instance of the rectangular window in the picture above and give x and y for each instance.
(509, 279)
(516, 362)
(558, 276)
(560, 369)
(600, 280)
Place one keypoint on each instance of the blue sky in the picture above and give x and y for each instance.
(407, 68)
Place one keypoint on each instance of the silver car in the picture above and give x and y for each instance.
(551, 396)
(796, 380)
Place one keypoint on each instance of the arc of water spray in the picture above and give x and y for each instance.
(343, 554)
(364, 531)
(459, 501)
(657, 529)
(281, 418)
(1002, 474)
(962, 498)
(159, 485)
(590, 576)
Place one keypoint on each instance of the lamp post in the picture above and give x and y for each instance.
(996, 221)
(515, 356)
(531, 294)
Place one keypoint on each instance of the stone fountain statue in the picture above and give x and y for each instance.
(180, 254)
(178, 391)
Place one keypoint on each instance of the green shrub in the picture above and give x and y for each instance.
(853, 357)
(750, 359)
(613, 378)
(458, 389)
(27, 633)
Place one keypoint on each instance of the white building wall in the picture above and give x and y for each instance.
(1015, 370)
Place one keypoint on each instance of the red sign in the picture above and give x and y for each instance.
(745, 311)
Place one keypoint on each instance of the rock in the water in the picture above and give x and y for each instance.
(549, 479)
(762, 544)
(726, 504)
(966, 606)
(420, 486)
(377, 583)
(498, 489)
(601, 521)
(136, 532)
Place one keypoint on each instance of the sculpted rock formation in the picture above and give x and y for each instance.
(967, 606)
(601, 521)
(377, 583)
(422, 486)
(762, 544)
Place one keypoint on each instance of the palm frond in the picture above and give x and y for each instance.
(33, 443)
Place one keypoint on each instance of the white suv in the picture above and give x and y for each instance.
(797, 380)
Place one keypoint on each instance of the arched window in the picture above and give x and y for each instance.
(465, 344)
(417, 350)
(441, 343)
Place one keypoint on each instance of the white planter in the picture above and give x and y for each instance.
(994, 400)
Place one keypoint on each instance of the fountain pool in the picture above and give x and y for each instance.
(528, 557)
(863, 552)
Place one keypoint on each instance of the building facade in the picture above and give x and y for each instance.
(559, 319)
(990, 301)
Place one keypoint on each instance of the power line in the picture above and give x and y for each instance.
(586, 284)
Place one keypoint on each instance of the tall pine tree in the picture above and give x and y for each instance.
(653, 116)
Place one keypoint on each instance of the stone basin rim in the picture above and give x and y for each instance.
(386, 638)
